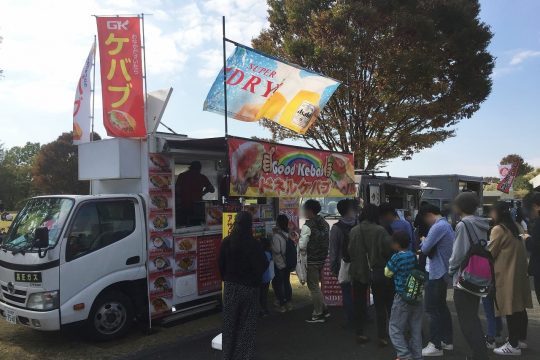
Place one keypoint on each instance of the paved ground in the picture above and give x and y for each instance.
(287, 336)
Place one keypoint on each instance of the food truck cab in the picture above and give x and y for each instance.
(117, 255)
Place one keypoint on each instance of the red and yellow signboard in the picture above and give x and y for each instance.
(121, 76)
(261, 169)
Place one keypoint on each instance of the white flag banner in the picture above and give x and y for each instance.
(81, 105)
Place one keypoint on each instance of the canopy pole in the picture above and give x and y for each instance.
(225, 79)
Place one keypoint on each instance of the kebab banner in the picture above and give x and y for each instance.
(506, 183)
(262, 87)
(121, 76)
(81, 105)
(262, 169)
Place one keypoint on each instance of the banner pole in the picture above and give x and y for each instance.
(225, 78)
(93, 91)
(144, 72)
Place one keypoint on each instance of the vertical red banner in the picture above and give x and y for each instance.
(121, 76)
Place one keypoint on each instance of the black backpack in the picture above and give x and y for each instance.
(291, 255)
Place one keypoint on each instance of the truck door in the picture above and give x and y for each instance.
(103, 246)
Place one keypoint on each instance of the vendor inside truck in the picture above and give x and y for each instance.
(190, 188)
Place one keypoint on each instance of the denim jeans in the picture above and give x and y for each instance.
(494, 323)
(467, 310)
(405, 317)
(346, 292)
(281, 283)
(440, 324)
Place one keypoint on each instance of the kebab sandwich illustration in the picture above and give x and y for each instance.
(341, 172)
(246, 164)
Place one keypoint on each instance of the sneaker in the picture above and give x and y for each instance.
(522, 345)
(281, 309)
(383, 343)
(448, 347)
(289, 306)
(431, 350)
(316, 319)
(491, 344)
(362, 339)
(276, 303)
(326, 313)
(507, 349)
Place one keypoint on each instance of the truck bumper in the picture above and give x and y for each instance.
(39, 320)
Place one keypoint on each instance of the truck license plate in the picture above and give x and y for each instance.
(11, 317)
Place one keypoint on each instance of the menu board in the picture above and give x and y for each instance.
(160, 245)
(208, 277)
(330, 286)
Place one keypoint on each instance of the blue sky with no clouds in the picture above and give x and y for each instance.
(43, 59)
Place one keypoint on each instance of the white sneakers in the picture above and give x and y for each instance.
(431, 350)
(508, 349)
(448, 347)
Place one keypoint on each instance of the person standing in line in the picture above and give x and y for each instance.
(314, 241)
(282, 279)
(370, 250)
(473, 229)
(437, 246)
(391, 219)
(268, 276)
(339, 253)
(531, 204)
(242, 263)
(513, 291)
(405, 316)
(421, 231)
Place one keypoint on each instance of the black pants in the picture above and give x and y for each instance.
(537, 287)
(467, 311)
(383, 298)
(517, 327)
(440, 319)
(240, 313)
(263, 297)
(360, 300)
(282, 285)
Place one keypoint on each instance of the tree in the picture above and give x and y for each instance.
(524, 168)
(55, 170)
(414, 69)
(15, 172)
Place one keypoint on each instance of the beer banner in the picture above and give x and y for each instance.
(261, 87)
(262, 169)
(506, 183)
(81, 105)
(121, 76)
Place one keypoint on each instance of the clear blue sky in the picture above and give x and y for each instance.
(43, 59)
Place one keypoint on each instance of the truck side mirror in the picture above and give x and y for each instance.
(41, 238)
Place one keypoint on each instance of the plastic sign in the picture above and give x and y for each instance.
(260, 87)
(262, 169)
(121, 76)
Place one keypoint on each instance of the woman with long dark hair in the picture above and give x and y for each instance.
(282, 279)
(242, 263)
(513, 292)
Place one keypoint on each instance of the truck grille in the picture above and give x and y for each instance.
(17, 297)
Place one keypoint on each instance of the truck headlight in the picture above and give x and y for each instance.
(47, 300)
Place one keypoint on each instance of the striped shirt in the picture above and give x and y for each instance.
(399, 266)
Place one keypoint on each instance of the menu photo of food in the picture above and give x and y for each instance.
(160, 181)
(185, 264)
(161, 200)
(161, 220)
(267, 212)
(161, 242)
(160, 263)
(214, 215)
(160, 304)
(161, 284)
(159, 163)
(259, 230)
(183, 244)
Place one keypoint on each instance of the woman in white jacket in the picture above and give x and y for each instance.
(281, 282)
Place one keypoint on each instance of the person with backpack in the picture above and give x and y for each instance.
(531, 205)
(470, 282)
(314, 242)
(437, 247)
(513, 291)
(284, 261)
(407, 311)
(370, 250)
(339, 254)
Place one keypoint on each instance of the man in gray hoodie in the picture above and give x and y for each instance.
(470, 228)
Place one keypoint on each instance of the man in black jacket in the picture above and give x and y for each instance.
(314, 242)
(531, 204)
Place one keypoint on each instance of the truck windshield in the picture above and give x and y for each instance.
(48, 212)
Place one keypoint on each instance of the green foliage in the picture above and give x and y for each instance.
(414, 69)
(15, 173)
(524, 168)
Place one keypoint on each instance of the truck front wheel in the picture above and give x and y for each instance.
(111, 316)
